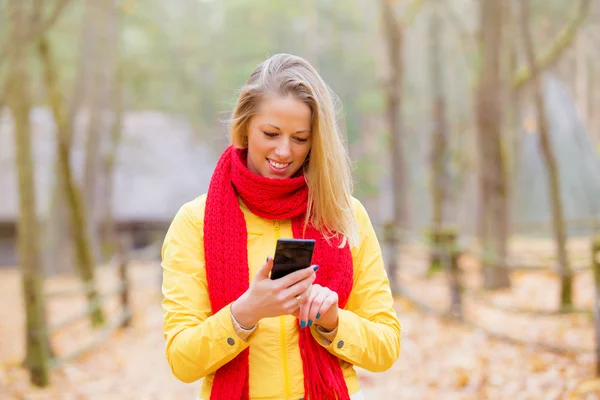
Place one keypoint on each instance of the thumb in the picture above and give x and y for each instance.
(266, 268)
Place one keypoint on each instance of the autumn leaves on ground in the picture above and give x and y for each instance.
(441, 359)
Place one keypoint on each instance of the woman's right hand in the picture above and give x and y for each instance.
(271, 298)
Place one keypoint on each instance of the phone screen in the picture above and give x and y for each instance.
(291, 255)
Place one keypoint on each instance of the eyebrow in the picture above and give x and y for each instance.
(278, 128)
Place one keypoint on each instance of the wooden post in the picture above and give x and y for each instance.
(439, 240)
(596, 270)
(456, 289)
(450, 257)
(122, 249)
(435, 257)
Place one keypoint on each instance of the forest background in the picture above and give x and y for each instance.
(474, 132)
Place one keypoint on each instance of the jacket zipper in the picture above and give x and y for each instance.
(283, 338)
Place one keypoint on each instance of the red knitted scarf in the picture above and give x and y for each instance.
(226, 253)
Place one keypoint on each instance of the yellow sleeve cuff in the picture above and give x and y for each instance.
(243, 332)
(323, 336)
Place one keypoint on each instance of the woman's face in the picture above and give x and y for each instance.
(279, 137)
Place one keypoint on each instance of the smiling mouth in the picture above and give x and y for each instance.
(278, 165)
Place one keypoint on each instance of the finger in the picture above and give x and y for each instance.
(291, 307)
(265, 270)
(297, 289)
(296, 313)
(297, 276)
(330, 301)
(306, 302)
(316, 305)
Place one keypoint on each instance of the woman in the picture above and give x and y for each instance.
(286, 175)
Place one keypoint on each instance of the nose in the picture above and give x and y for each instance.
(283, 149)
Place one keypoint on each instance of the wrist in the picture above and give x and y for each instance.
(329, 325)
(242, 314)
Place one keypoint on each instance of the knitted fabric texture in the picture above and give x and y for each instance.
(226, 256)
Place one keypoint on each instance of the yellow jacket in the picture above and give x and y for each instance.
(198, 342)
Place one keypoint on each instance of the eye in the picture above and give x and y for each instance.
(270, 135)
(300, 140)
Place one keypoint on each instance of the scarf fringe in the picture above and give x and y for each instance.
(324, 379)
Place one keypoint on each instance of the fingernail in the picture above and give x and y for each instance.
(318, 315)
(268, 258)
(302, 324)
(316, 267)
(309, 322)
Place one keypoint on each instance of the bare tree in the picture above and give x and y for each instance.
(582, 81)
(439, 143)
(85, 260)
(59, 239)
(109, 229)
(19, 102)
(493, 199)
(393, 28)
(394, 36)
(99, 19)
(558, 224)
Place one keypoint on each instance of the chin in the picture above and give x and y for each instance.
(271, 175)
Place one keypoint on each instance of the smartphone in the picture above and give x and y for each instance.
(291, 255)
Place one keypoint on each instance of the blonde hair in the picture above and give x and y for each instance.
(327, 170)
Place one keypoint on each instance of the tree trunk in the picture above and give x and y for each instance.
(99, 16)
(513, 105)
(493, 204)
(85, 260)
(595, 93)
(594, 101)
(394, 37)
(439, 142)
(19, 102)
(369, 155)
(558, 225)
(582, 83)
(109, 235)
(58, 238)
(313, 43)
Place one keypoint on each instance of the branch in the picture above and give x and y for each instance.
(51, 20)
(42, 27)
(412, 10)
(559, 45)
(54, 97)
(466, 39)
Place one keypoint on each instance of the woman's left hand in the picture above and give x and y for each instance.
(321, 308)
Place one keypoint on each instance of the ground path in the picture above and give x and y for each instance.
(440, 359)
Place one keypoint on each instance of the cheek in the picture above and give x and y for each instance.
(305, 151)
(256, 145)
(305, 155)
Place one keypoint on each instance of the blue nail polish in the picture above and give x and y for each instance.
(309, 322)
(318, 315)
(316, 267)
(302, 324)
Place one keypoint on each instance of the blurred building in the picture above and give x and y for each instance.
(160, 165)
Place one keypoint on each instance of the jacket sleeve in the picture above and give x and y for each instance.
(198, 342)
(368, 332)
